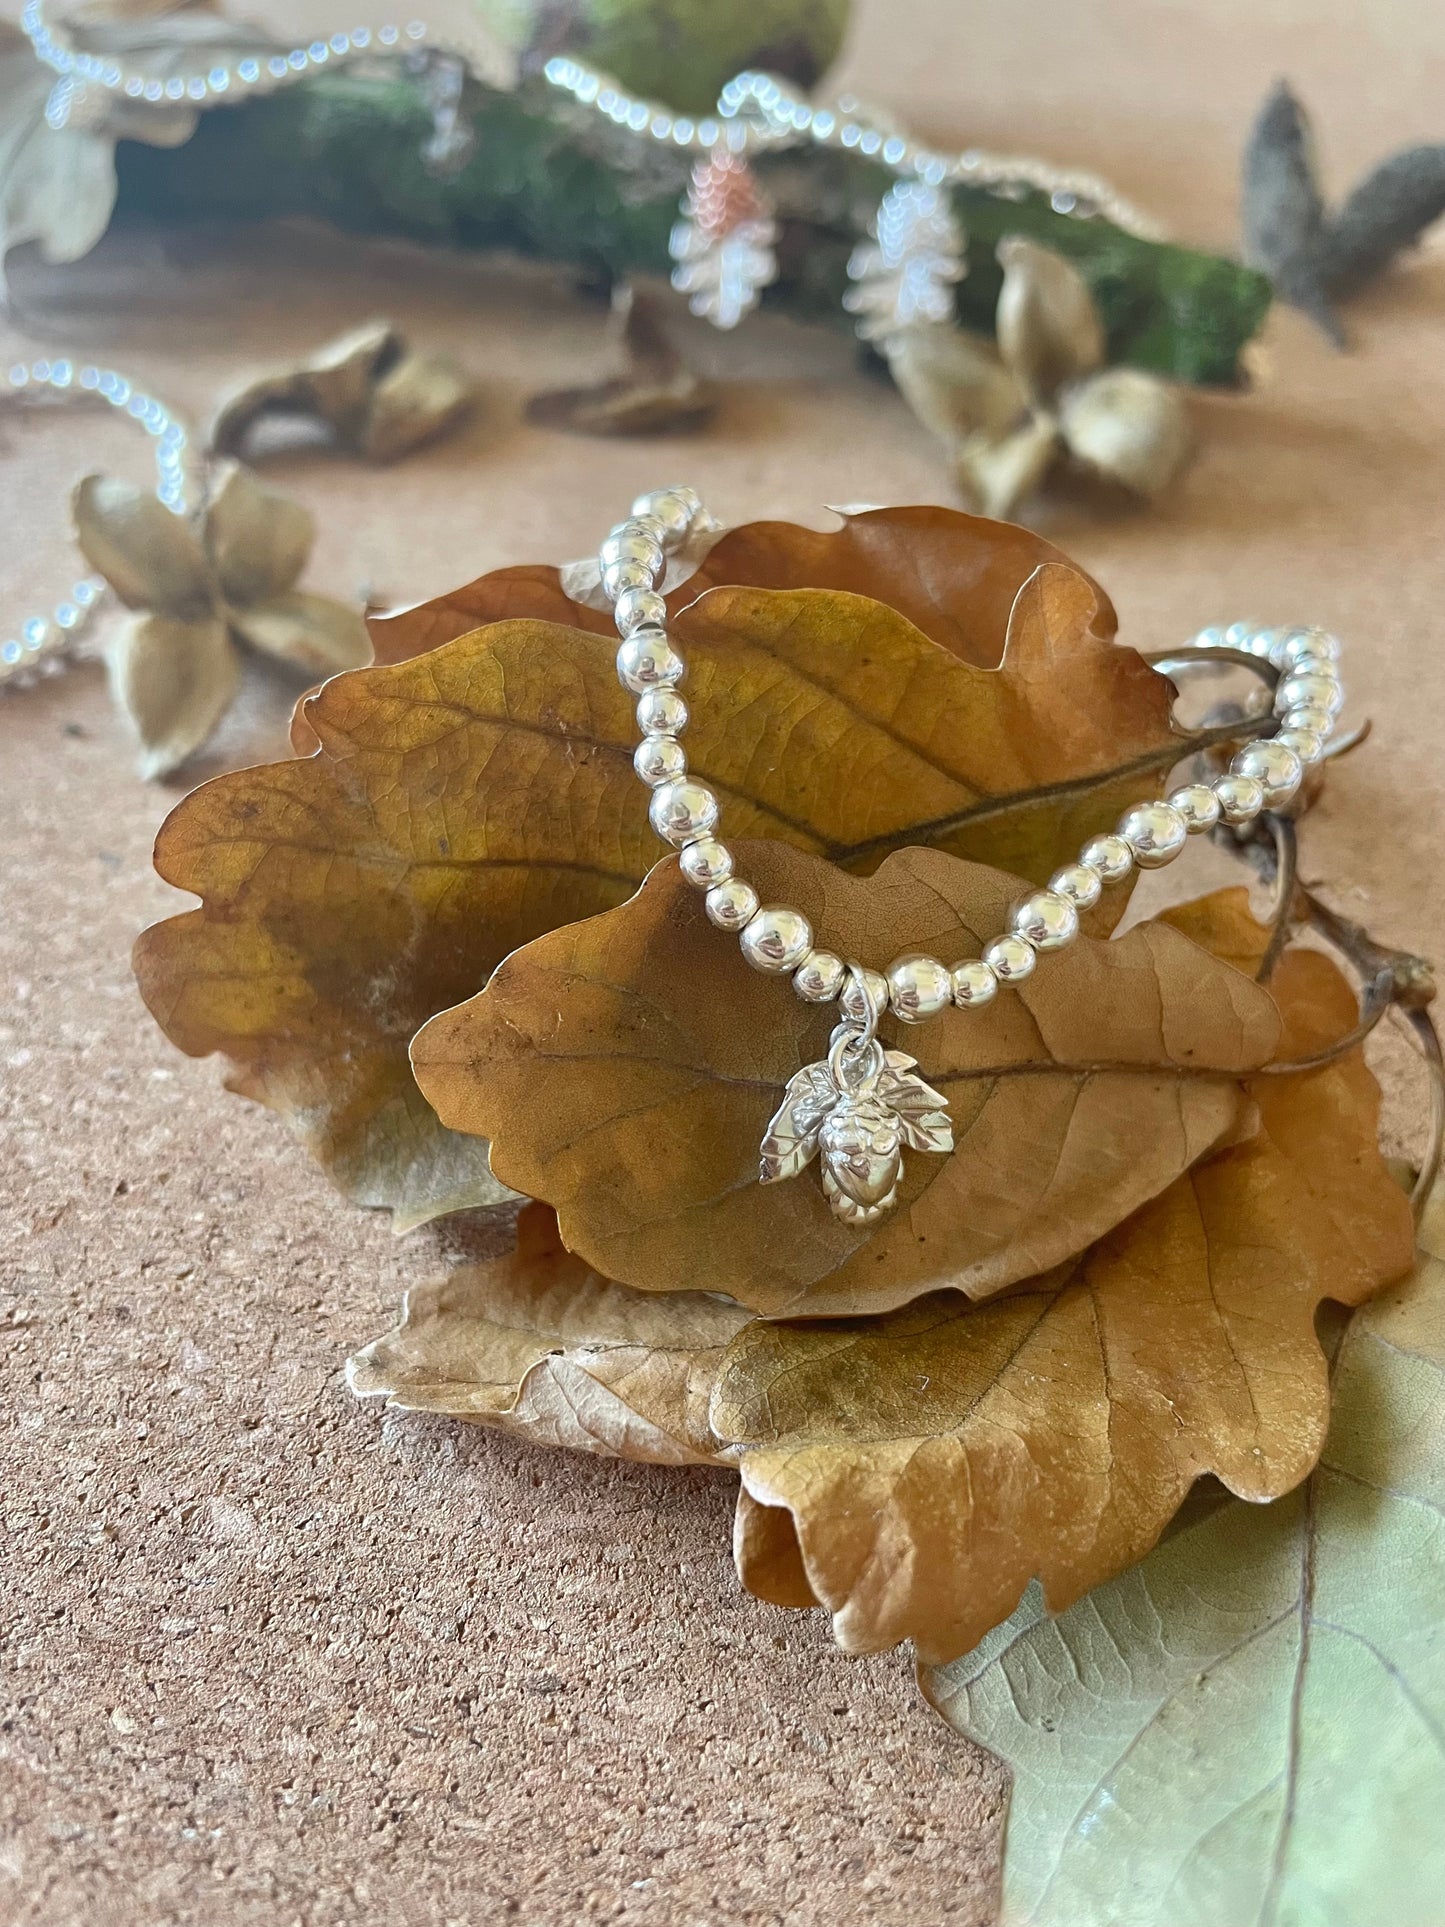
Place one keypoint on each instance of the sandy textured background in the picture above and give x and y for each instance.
(270, 1657)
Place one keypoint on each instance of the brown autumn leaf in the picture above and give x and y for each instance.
(914, 1472)
(625, 1068)
(463, 803)
(537, 1344)
(953, 576)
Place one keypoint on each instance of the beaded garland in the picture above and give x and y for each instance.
(42, 642)
(862, 1107)
(755, 111)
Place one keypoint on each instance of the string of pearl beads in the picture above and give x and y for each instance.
(778, 939)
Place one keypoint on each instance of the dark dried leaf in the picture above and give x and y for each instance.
(654, 393)
(1387, 212)
(1282, 215)
(955, 577)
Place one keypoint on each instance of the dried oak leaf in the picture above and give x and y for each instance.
(914, 1472)
(465, 802)
(537, 1344)
(1289, 1654)
(625, 1068)
(955, 577)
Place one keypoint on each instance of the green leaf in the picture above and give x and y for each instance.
(1248, 1729)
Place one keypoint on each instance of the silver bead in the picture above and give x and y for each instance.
(618, 577)
(1308, 644)
(661, 712)
(705, 862)
(731, 905)
(672, 508)
(852, 1003)
(974, 983)
(1078, 884)
(631, 542)
(1048, 921)
(1155, 832)
(1307, 665)
(1011, 959)
(1110, 856)
(918, 987)
(1320, 692)
(648, 661)
(640, 609)
(819, 977)
(1308, 746)
(777, 939)
(1319, 722)
(647, 525)
(1241, 798)
(1198, 805)
(682, 811)
(1273, 765)
(659, 759)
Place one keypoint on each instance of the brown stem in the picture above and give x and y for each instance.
(1285, 838)
(1391, 981)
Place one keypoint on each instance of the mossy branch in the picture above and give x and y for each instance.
(550, 181)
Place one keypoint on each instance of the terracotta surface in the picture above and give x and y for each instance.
(270, 1657)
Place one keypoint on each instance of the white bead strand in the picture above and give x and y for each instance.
(778, 939)
(42, 642)
(758, 111)
(219, 84)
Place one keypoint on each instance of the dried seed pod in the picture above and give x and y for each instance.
(1127, 426)
(1049, 331)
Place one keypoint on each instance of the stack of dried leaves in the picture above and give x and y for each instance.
(448, 928)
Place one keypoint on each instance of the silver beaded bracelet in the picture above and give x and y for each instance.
(863, 1105)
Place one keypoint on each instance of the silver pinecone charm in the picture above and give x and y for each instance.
(904, 276)
(723, 245)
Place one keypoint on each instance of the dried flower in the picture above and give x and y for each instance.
(196, 594)
(58, 136)
(1010, 414)
(723, 245)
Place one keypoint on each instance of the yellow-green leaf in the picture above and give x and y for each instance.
(1248, 1729)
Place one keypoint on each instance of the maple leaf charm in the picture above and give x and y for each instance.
(858, 1111)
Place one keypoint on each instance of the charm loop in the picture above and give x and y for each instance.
(855, 1061)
